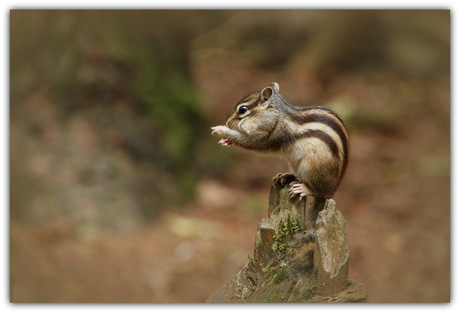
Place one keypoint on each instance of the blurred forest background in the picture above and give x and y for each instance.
(119, 193)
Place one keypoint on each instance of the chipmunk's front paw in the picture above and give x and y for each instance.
(220, 131)
(225, 142)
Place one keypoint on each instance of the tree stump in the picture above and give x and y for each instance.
(294, 261)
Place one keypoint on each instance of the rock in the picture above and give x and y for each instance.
(331, 250)
(354, 293)
(293, 263)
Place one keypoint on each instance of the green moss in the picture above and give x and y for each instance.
(287, 228)
(295, 292)
(310, 286)
(275, 296)
(282, 274)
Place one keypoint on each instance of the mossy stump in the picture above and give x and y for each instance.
(294, 261)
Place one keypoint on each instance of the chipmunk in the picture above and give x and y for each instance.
(312, 139)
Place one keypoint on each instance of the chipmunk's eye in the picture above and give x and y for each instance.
(242, 110)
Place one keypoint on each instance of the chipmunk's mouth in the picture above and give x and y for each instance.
(226, 142)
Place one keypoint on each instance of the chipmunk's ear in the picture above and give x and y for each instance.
(268, 91)
(275, 87)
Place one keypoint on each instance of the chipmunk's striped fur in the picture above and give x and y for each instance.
(313, 139)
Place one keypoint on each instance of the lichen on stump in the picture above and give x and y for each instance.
(294, 261)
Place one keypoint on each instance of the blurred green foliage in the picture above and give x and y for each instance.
(84, 59)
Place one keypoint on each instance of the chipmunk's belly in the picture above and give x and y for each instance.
(313, 164)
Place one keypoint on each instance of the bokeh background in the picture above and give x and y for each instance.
(119, 193)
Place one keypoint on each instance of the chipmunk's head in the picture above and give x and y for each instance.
(255, 111)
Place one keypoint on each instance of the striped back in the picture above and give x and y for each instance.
(324, 124)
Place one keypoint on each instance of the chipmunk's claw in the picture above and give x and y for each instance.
(225, 142)
(299, 189)
(284, 178)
